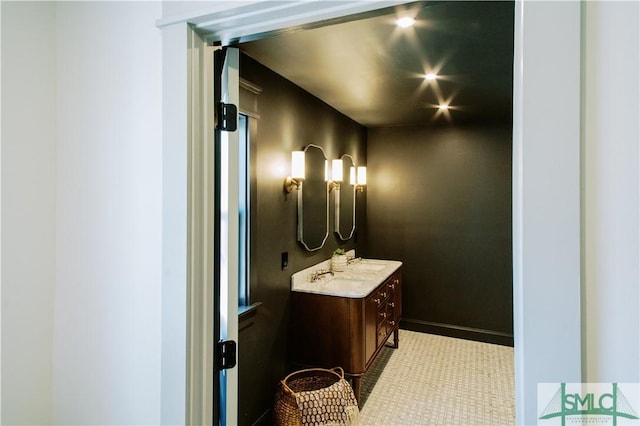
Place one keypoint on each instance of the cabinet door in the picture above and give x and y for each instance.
(395, 286)
(370, 326)
(391, 314)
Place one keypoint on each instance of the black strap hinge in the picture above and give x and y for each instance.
(227, 117)
(226, 354)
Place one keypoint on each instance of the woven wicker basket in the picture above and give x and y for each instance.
(315, 397)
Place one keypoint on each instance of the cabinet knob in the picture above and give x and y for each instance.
(384, 295)
(383, 314)
(392, 322)
(377, 301)
(391, 304)
(396, 281)
(392, 286)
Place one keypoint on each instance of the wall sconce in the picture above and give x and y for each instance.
(297, 172)
(336, 174)
(360, 177)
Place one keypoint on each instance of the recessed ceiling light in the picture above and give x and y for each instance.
(430, 76)
(405, 22)
(443, 107)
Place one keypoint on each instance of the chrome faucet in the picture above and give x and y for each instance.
(317, 275)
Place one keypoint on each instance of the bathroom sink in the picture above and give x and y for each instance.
(369, 266)
(344, 285)
(343, 282)
(358, 280)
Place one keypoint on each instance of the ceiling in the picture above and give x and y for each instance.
(373, 71)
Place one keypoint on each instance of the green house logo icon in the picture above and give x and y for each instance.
(609, 404)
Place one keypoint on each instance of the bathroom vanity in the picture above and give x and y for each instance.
(345, 318)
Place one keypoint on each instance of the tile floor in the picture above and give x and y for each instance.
(436, 380)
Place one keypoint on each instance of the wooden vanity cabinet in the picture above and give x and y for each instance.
(330, 331)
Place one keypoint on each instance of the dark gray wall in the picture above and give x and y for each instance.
(290, 119)
(439, 200)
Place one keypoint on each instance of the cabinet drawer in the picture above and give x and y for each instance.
(393, 283)
(381, 295)
(383, 332)
(383, 314)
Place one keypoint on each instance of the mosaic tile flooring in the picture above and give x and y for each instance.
(436, 380)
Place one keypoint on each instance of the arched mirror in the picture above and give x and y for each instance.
(345, 200)
(313, 200)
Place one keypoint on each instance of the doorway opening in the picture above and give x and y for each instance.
(446, 132)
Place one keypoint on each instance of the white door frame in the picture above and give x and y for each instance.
(200, 236)
(546, 198)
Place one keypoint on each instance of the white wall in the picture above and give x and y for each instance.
(29, 75)
(611, 38)
(172, 9)
(174, 224)
(82, 196)
(106, 348)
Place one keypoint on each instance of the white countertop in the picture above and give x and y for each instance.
(357, 281)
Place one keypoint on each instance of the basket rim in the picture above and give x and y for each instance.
(337, 371)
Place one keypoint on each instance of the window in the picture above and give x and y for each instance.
(244, 200)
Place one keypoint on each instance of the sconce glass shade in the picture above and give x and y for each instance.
(352, 176)
(297, 164)
(336, 170)
(362, 175)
